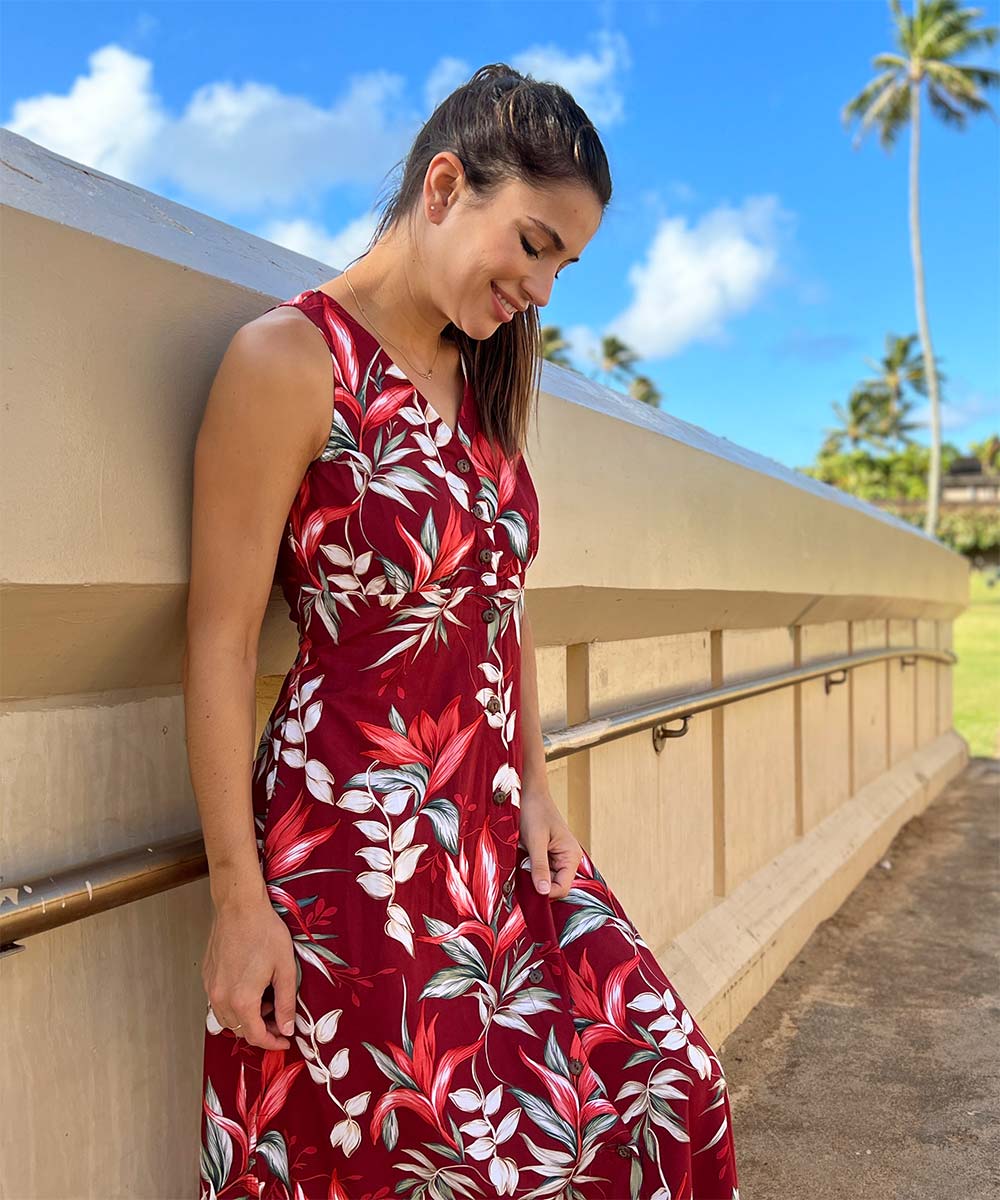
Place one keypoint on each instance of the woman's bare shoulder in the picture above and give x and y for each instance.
(281, 353)
(287, 334)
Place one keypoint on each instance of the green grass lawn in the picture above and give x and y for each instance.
(977, 672)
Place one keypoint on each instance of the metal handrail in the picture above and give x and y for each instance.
(83, 890)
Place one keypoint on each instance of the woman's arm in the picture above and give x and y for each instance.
(267, 413)
(554, 850)
(534, 776)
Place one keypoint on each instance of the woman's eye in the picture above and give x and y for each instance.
(529, 249)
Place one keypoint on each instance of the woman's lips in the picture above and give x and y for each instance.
(498, 307)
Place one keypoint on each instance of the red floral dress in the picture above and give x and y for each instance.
(457, 1033)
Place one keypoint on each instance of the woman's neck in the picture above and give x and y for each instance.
(393, 303)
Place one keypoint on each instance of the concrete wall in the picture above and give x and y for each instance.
(670, 560)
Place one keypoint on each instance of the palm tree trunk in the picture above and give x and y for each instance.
(930, 367)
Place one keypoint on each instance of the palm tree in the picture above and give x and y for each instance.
(857, 422)
(988, 452)
(897, 370)
(554, 345)
(617, 358)
(928, 42)
(643, 389)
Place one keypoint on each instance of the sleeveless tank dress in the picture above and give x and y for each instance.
(457, 1033)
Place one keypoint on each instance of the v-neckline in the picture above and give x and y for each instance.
(398, 371)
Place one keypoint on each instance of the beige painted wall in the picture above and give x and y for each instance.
(670, 561)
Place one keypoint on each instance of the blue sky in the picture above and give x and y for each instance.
(753, 258)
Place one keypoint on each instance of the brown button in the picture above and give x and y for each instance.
(464, 465)
(575, 1066)
(489, 614)
(508, 887)
(493, 705)
(485, 554)
(500, 796)
(536, 975)
(625, 1151)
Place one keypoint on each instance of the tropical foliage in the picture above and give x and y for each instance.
(615, 364)
(875, 420)
(871, 454)
(928, 43)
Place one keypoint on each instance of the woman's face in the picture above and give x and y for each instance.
(511, 243)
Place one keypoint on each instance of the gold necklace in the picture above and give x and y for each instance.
(422, 374)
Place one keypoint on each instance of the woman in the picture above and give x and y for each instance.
(419, 983)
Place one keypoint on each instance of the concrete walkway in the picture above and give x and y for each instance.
(872, 1067)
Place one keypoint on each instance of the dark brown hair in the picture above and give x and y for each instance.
(502, 126)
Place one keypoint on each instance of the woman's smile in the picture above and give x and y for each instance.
(501, 305)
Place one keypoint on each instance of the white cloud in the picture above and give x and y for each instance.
(592, 79)
(584, 346)
(108, 119)
(238, 147)
(695, 277)
(959, 414)
(252, 146)
(446, 75)
(247, 147)
(243, 147)
(309, 238)
(681, 191)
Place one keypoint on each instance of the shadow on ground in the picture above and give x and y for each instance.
(872, 1067)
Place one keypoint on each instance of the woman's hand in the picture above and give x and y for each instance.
(250, 952)
(555, 852)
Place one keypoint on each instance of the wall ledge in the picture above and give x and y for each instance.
(727, 960)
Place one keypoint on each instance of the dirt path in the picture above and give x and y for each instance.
(872, 1068)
